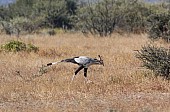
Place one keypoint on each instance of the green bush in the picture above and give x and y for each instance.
(159, 26)
(16, 46)
(31, 47)
(156, 59)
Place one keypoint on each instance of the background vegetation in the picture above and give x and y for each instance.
(100, 17)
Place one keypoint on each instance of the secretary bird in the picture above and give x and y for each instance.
(83, 61)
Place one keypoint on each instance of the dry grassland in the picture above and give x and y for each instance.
(120, 86)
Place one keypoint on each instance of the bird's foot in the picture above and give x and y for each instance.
(88, 81)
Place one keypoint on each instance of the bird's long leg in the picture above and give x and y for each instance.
(85, 73)
(85, 76)
(80, 68)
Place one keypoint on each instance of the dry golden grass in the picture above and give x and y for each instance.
(119, 86)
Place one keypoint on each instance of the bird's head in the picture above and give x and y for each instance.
(99, 61)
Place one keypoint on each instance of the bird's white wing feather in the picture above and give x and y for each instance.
(82, 60)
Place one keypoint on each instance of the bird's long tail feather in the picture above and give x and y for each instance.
(66, 60)
(53, 63)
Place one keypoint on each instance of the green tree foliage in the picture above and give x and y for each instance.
(22, 8)
(17, 25)
(56, 13)
(156, 59)
(34, 14)
(71, 6)
(4, 13)
(7, 27)
(134, 16)
(159, 26)
(102, 17)
(98, 18)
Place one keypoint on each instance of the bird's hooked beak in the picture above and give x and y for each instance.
(101, 61)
